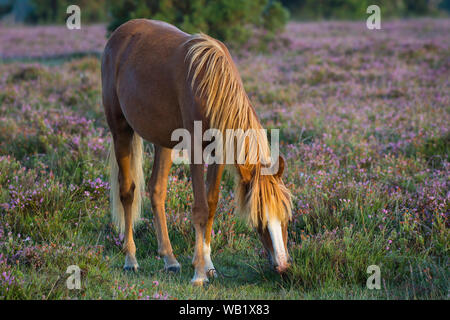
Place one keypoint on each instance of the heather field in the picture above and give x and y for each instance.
(364, 127)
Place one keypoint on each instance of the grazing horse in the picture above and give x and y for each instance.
(156, 79)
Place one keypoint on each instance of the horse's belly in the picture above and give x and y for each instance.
(154, 122)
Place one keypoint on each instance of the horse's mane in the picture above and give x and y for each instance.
(215, 78)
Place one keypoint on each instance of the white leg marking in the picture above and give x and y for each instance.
(199, 279)
(209, 266)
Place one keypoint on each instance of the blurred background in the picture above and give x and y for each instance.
(213, 16)
(254, 23)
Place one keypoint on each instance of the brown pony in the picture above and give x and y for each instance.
(156, 79)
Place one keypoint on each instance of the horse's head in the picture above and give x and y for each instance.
(266, 203)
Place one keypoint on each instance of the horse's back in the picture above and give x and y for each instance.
(143, 64)
(160, 34)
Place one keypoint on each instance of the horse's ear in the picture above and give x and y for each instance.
(245, 173)
(281, 166)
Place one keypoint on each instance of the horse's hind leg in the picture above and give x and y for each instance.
(123, 152)
(158, 190)
(126, 176)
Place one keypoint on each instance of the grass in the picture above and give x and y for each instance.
(364, 128)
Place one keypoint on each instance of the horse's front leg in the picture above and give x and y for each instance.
(199, 219)
(213, 177)
(158, 190)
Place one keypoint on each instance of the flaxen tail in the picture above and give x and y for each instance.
(137, 175)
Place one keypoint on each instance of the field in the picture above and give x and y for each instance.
(364, 120)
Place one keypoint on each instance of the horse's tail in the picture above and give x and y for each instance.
(137, 176)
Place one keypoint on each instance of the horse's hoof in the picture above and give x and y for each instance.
(130, 268)
(200, 282)
(174, 268)
(130, 263)
(211, 273)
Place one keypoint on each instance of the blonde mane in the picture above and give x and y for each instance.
(215, 79)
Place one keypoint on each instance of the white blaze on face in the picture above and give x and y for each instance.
(279, 251)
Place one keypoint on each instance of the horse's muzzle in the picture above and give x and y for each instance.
(282, 268)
